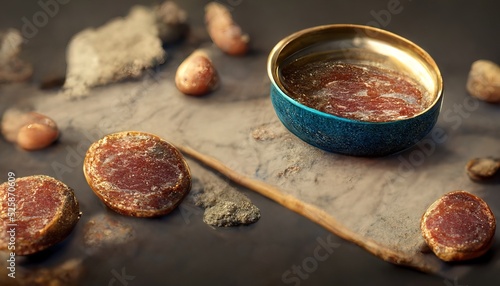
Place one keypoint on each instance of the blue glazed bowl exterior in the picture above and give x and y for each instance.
(350, 137)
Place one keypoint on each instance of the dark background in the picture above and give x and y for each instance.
(455, 33)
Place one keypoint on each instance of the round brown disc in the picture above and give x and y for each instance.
(137, 173)
(36, 213)
(458, 226)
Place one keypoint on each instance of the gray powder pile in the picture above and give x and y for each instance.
(121, 49)
(224, 206)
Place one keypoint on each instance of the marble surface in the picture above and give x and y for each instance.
(379, 198)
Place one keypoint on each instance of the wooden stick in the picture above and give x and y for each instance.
(418, 261)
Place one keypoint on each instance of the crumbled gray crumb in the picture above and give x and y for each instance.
(225, 206)
(103, 231)
(229, 213)
(261, 134)
(267, 132)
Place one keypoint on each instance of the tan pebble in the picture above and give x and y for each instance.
(480, 169)
(196, 75)
(36, 136)
(224, 32)
(30, 130)
(484, 81)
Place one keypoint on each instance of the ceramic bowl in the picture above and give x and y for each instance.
(348, 136)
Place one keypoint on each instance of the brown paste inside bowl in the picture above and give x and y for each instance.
(351, 90)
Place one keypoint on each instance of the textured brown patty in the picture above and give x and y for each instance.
(46, 211)
(137, 174)
(458, 226)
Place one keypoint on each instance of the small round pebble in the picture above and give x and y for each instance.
(480, 169)
(29, 130)
(196, 75)
(484, 81)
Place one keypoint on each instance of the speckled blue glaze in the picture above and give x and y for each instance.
(358, 43)
(351, 137)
